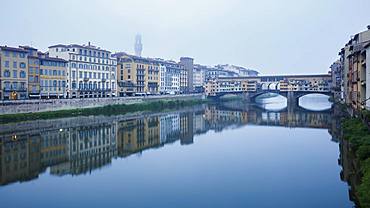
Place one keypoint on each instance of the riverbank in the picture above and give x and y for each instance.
(356, 132)
(36, 106)
(155, 105)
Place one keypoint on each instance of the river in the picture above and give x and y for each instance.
(229, 154)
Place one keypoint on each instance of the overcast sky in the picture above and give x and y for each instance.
(272, 36)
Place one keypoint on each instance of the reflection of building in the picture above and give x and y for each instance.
(137, 135)
(170, 128)
(80, 145)
(91, 147)
(20, 159)
(186, 128)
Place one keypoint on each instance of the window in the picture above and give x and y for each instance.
(6, 73)
(7, 85)
(22, 74)
(22, 55)
(6, 63)
(14, 54)
(80, 74)
(14, 73)
(22, 65)
(14, 64)
(7, 53)
(73, 74)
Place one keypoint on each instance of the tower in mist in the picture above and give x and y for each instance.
(138, 45)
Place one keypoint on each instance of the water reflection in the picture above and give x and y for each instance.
(310, 102)
(75, 146)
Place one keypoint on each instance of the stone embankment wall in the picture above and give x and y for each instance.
(33, 106)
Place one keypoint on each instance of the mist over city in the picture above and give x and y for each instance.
(185, 103)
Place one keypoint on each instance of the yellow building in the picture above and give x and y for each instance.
(137, 75)
(137, 135)
(33, 72)
(14, 73)
(52, 77)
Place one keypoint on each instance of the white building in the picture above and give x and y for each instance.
(169, 77)
(91, 71)
(170, 128)
(199, 77)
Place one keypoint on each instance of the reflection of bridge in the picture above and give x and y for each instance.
(290, 86)
(238, 114)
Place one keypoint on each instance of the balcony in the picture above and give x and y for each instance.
(5, 89)
(86, 79)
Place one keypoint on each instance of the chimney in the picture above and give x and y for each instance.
(368, 27)
(89, 43)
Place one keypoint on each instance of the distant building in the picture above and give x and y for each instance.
(199, 77)
(138, 45)
(170, 75)
(214, 73)
(240, 71)
(337, 80)
(91, 70)
(188, 64)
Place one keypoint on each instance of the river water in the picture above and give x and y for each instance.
(219, 155)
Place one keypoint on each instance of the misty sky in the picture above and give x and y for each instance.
(272, 36)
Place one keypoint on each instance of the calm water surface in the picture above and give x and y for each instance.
(227, 155)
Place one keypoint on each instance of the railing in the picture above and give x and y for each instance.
(15, 89)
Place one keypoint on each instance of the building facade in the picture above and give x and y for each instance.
(14, 73)
(137, 75)
(170, 75)
(53, 77)
(353, 65)
(91, 71)
(199, 77)
(188, 64)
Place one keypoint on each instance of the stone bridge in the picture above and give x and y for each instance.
(290, 86)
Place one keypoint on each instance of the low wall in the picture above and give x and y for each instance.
(33, 106)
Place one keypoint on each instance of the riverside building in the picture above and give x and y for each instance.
(91, 71)
(354, 61)
(137, 75)
(14, 73)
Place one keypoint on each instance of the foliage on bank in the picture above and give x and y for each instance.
(106, 110)
(358, 135)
